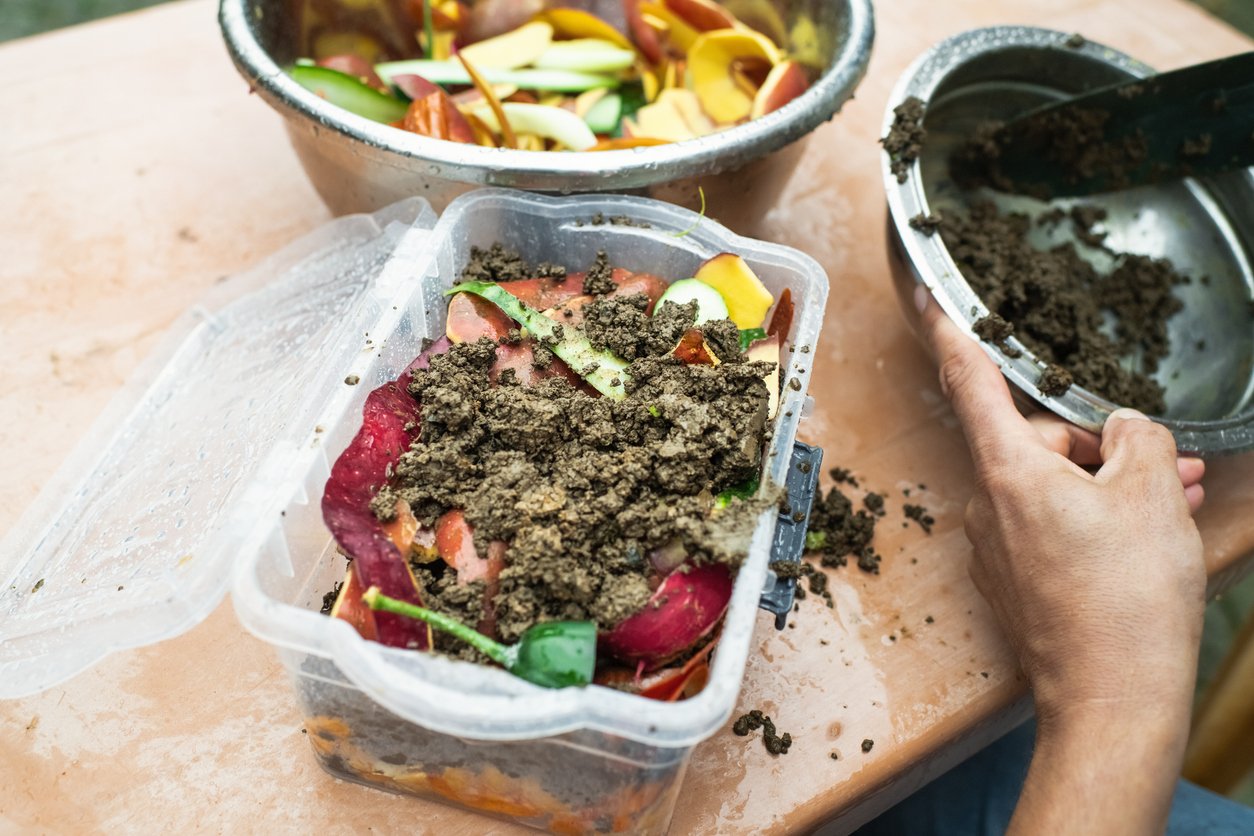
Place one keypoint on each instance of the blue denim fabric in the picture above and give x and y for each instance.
(978, 798)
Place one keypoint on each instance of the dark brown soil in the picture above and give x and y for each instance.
(927, 224)
(1055, 381)
(1072, 139)
(867, 744)
(597, 281)
(495, 264)
(582, 489)
(328, 600)
(905, 138)
(776, 744)
(1056, 302)
(920, 515)
(993, 329)
(837, 531)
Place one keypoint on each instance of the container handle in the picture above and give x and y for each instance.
(789, 542)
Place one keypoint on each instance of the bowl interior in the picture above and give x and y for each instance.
(1204, 227)
(383, 29)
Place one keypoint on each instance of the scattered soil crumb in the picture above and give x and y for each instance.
(776, 744)
(867, 744)
(1083, 219)
(39, 584)
(1055, 381)
(352, 380)
(495, 264)
(993, 329)
(597, 281)
(905, 138)
(920, 515)
(930, 620)
(840, 474)
(874, 503)
(818, 583)
(328, 600)
(1075, 41)
(786, 569)
(838, 531)
(927, 224)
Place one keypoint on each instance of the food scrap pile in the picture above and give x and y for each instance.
(579, 448)
(502, 74)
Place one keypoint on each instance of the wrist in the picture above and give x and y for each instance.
(1103, 768)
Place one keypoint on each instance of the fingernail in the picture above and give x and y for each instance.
(1126, 414)
(921, 298)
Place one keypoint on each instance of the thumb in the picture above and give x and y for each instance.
(975, 387)
(1132, 444)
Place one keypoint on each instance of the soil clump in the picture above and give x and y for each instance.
(904, 141)
(1056, 302)
(776, 744)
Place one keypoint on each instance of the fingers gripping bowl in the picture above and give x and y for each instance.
(360, 165)
(1203, 228)
(572, 759)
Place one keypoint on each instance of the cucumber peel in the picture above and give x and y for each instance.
(348, 92)
(452, 72)
(549, 122)
(603, 371)
(710, 303)
(604, 116)
(588, 55)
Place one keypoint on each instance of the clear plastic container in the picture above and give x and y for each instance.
(273, 365)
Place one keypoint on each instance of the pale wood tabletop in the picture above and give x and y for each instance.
(137, 171)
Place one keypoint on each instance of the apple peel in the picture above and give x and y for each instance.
(786, 81)
(390, 420)
(686, 607)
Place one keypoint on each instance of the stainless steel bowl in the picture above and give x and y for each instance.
(1204, 226)
(360, 165)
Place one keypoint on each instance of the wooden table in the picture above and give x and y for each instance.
(137, 171)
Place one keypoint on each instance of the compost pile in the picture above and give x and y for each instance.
(584, 496)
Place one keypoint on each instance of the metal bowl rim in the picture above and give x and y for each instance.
(631, 168)
(934, 267)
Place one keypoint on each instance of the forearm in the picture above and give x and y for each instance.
(1104, 769)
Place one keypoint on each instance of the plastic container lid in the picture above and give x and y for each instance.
(133, 540)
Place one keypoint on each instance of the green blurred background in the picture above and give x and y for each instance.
(19, 18)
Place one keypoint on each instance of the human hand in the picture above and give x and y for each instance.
(1096, 578)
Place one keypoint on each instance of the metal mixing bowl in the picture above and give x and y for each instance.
(1205, 226)
(360, 165)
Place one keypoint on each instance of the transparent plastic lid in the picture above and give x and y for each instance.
(133, 540)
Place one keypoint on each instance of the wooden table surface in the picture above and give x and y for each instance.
(136, 171)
